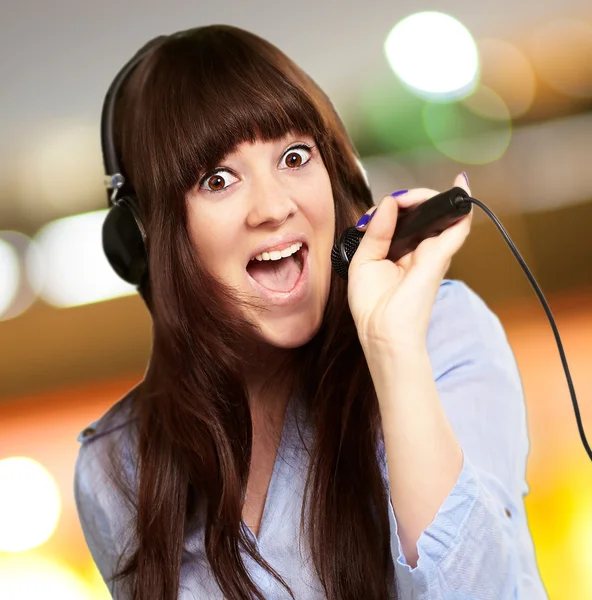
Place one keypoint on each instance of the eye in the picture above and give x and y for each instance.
(296, 156)
(216, 180)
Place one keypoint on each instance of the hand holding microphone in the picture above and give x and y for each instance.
(396, 270)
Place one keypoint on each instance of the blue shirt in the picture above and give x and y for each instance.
(478, 547)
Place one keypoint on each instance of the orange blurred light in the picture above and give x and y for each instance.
(31, 578)
(506, 70)
(561, 53)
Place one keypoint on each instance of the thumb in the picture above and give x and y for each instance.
(378, 232)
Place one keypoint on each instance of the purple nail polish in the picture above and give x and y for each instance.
(399, 193)
(466, 178)
(364, 220)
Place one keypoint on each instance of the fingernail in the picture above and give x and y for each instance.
(466, 178)
(365, 220)
(399, 193)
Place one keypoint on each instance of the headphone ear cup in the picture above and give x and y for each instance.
(124, 241)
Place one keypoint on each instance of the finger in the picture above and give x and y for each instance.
(365, 218)
(452, 238)
(462, 181)
(379, 232)
(409, 198)
(415, 196)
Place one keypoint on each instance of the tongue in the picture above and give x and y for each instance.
(275, 275)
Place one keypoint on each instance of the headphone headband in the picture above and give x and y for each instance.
(113, 177)
(124, 236)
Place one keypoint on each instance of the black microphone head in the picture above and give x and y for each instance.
(344, 250)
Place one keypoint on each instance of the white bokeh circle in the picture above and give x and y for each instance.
(30, 504)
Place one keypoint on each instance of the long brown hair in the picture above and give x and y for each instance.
(193, 99)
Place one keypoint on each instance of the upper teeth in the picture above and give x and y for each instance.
(277, 254)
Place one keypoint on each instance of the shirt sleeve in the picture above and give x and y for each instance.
(478, 546)
(104, 515)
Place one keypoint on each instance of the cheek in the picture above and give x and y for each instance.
(321, 204)
(205, 241)
(323, 218)
(214, 244)
(325, 213)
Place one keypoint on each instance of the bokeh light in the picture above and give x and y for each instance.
(562, 52)
(476, 130)
(97, 587)
(9, 276)
(18, 277)
(391, 117)
(76, 270)
(434, 54)
(582, 531)
(29, 505)
(32, 578)
(506, 70)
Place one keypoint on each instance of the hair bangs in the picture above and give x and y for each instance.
(216, 98)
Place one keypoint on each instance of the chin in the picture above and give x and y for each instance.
(289, 332)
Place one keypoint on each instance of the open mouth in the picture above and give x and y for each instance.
(279, 275)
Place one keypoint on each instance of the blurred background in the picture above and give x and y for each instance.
(500, 90)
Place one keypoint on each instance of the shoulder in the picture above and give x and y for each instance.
(108, 445)
(118, 417)
(104, 485)
(464, 328)
(456, 303)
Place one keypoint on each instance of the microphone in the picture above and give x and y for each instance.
(414, 224)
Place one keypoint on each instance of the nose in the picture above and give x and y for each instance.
(271, 202)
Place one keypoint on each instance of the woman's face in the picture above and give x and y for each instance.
(263, 201)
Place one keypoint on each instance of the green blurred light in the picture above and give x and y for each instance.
(476, 130)
(390, 118)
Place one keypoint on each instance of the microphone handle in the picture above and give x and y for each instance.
(414, 224)
(428, 219)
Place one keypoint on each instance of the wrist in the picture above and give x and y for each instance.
(392, 366)
(400, 350)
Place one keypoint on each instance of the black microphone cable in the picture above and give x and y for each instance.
(459, 201)
(428, 219)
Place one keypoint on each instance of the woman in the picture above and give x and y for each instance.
(295, 436)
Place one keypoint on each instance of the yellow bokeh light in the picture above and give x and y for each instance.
(29, 505)
(561, 53)
(506, 70)
(486, 103)
(97, 588)
(31, 578)
(580, 531)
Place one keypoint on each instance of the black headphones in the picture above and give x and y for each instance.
(124, 236)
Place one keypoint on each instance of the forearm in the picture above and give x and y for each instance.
(424, 457)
